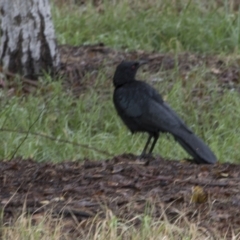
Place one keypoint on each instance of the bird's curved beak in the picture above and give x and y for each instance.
(142, 62)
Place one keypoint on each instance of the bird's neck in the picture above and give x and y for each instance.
(121, 83)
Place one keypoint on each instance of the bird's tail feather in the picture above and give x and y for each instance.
(195, 147)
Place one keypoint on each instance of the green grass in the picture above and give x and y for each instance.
(92, 120)
(185, 25)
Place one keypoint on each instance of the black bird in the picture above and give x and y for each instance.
(142, 109)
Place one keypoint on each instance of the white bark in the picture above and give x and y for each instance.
(28, 43)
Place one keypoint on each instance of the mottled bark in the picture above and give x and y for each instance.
(28, 44)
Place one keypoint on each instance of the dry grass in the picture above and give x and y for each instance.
(43, 227)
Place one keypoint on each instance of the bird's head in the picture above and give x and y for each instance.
(126, 71)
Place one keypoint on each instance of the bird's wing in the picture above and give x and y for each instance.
(160, 113)
(160, 116)
(128, 102)
(146, 107)
(174, 115)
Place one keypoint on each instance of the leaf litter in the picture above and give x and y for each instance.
(127, 187)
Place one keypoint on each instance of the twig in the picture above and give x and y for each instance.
(27, 133)
(189, 180)
(55, 139)
(209, 183)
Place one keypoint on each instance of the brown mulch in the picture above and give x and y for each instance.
(126, 186)
(79, 61)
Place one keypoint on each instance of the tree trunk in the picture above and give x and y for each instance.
(28, 44)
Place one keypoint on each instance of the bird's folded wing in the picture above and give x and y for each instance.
(147, 106)
(162, 117)
(128, 102)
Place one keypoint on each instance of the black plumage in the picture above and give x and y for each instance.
(142, 109)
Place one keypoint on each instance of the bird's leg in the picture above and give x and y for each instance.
(155, 136)
(146, 146)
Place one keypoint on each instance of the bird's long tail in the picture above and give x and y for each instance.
(195, 146)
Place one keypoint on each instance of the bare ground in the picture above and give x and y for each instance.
(78, 61)
(208, 195)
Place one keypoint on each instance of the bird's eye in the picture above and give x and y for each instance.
(134, 66)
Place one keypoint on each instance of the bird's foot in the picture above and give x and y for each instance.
(145, 156)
